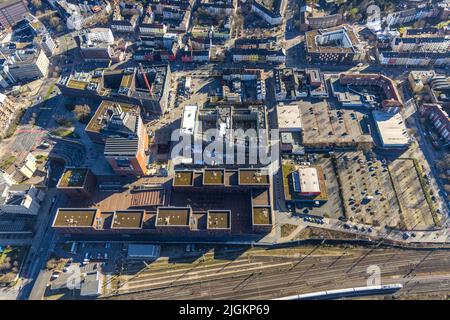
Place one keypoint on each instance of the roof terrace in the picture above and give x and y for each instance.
(253, 177)
(183, 178)
(173, 217)
(73, 178)
(262, 215)
(213, 177)
(218, 219)
(75, 218)
(127, 219)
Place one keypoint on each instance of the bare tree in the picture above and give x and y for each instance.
(54, 21)
(82, 112)
(37, 3)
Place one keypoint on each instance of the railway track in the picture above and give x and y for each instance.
(294, 275)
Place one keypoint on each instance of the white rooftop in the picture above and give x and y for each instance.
(309, 180)
(289, 117)
(391, 128)
(189, 118)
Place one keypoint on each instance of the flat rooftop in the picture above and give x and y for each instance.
(325, 126)
(127, 219)
(253, 177)
(219, 219)
(309, 180)
(289, 117)
(290, 195)
(213, 176)
(391, 128)
(173, 217)
(189, 119)
(260, 198)
(100, 119)
(262, 215)
(73, 178)
(120, 193)
(340, 39)
(118, 146)
(75, 218)
(183, 178)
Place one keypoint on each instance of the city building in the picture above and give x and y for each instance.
(77, 220)
(414, 58)
(20, 199)
(25, 65)
(438, 89)
(124, 25)
(346, 96)
(226, 118)
(259, 55)
(333, 45)
(96, 44)
(237, 204)
(196, 56)
(147, 87)
(11, 12)
(273, 15)
(392, 101)
(290, 84)
(420, 43)
(48, 44)
(114, 119)
(152, 29)
(241, 86)
(317, 85)
(418, 79)
(391, 129)
(189, 120)
(79, 15)
(120, 127)
(438, 118)
(143, 251)
(290, 126)
(288, 118)
(311, 18)
(23, 167)
(8, 111)
(410, 15)
(269, 43)
(328, 128)
(77, 182)
(216, 7)
(303, 183)
(31, 30)
(127, 156)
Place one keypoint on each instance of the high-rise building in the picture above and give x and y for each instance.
(11, 12)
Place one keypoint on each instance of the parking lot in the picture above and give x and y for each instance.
(101, 252)
(368, 194)
(415, 209)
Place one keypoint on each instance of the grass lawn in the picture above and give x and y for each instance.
(7, 162)
(49, 91)
(40, 158)
(62, 132)
(287, 229)
(442, 24)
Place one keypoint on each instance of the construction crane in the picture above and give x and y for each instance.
(145, 79)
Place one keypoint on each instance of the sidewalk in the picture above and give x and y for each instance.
(281, 218)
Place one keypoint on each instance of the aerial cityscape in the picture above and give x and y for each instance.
(224, 150)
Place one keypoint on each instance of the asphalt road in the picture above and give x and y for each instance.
(43, 244)
(418, 271)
